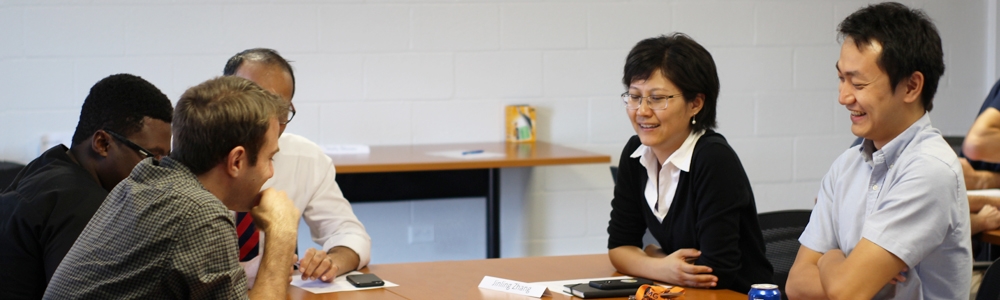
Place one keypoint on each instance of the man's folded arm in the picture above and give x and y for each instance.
(803, 279)
(859, 275)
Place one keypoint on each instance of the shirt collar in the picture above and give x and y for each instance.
(895, 147)
(681, 158)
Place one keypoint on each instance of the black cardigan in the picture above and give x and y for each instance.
(713, 210)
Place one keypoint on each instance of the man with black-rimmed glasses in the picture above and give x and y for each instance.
(124, 120)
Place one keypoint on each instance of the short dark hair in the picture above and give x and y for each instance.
(910, 43)
(682, 61)
(218, 115)
(258, 55)
(119, 103)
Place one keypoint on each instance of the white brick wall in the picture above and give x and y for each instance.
(430, 71)
(507, 74)
(714, 23)
(795, 23)
(584, 73)
(11, 42)
(74, 30)
(543, 26)
(743, 69)
(765, 159)
(778, 112)
(364, 28)
(392, 119)
(42, 73)
(409, 76)
(92, 69)
(192, 29)
(621, 25)
(456, 27)
(735, 115)
(328, 77)
(812, 149)
(814, 68)
(561, 120)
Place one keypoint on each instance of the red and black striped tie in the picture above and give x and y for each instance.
(248, 236)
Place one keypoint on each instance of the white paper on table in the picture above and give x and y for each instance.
(557, 286)
(986, 192)
(513, 287)
(346, 149)
(338, 284)
(467, 154)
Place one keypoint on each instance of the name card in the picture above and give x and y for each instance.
(513, 287)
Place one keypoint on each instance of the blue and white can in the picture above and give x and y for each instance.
(764, 291)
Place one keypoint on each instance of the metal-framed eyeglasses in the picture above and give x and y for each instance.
(655, 102)
(291, 114)
(142, 151)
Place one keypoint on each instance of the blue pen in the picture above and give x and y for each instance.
(472, 152)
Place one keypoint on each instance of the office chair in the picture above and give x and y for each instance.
(781, 231)
(8, 170)
(614, 173)
(989, 288)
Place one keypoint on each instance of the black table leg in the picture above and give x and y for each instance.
(493, 214)
(395, 186)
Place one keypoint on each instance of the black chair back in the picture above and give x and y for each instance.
(614, 173)
(781, 231)
(989, 288)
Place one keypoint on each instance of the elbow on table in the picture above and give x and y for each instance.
(615, 255)
(793, 291)
(838, 289)
(796, 288)
(972, 148)
(840, 294)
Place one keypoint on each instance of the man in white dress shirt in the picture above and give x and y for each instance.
(307, 175)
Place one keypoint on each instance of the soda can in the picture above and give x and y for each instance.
(764, 291)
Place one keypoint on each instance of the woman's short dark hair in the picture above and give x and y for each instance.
(910, 43)
(682, 61)
(218, 115)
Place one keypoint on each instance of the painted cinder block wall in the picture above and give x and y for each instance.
(418, 72)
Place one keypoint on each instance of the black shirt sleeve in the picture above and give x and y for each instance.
(627, 225)
(723, 195)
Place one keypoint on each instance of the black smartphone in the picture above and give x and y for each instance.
(629, 283)
(365, 280)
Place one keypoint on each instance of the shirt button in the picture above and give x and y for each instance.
(875, 187)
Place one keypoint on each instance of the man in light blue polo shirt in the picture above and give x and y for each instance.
(891, 218)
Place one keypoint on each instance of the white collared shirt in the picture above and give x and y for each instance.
(660, 188)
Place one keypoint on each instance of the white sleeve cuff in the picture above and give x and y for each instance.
(362, 245)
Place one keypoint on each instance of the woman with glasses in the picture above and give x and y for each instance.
(679, 179)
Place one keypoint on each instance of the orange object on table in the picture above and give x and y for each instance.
(656, 292)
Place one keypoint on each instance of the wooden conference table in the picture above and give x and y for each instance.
(992, 237)
(460, 279)
(410, 172)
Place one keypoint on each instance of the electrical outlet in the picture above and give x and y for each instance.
(421, 234)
